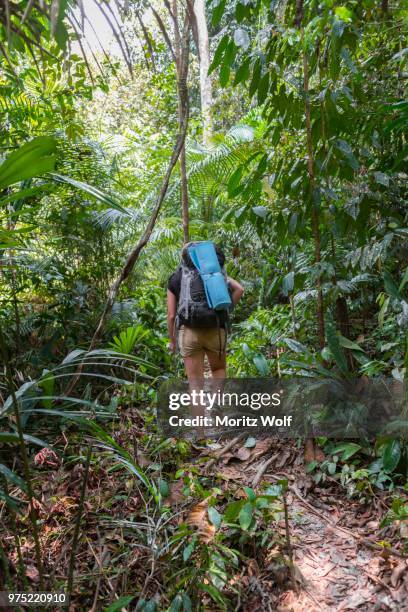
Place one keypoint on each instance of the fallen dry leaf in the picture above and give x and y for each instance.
(231, 472)
(243, 453)
(32, 573)
(176, 493)
(397, 573)
(198, 518)
(261, 447)
(142, 459)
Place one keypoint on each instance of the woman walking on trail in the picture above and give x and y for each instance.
(196, 329)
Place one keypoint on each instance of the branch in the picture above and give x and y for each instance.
(164, 32)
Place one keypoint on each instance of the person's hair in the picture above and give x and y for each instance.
(187, 259)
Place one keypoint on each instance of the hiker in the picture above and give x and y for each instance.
(195, 328)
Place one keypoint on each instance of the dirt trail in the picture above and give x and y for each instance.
(334, 571)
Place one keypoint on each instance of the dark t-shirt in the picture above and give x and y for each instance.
(174, 283)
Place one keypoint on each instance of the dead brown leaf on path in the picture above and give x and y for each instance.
(398, 572)
(142, 459)
(198, 518)
(243, 453)
(176, 494)
(32, 573)
(231, 472)
(283, 458)
(262, 446)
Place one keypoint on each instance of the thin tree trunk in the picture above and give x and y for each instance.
(205, 80)
(315, 213)
(181, 51)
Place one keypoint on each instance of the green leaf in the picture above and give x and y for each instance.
(225, 74)
(58, 28)
(188, 551)
(256, 75)
(288, 283)
(260, 211)
(214, 593)
(261, 365)
(12, 438)
(250, 443)
(46, 383)
(335, 349)
(391, 455)
(219, 53)
(390, 286)
(34, 158)
(241, 38)
(218, 12)
(187, 605)
(404, 281)
(343, 13)
(214, 516)
(348, 449)
(263, 88)
(164, 488)
(232, 511)
(347, 151)
(234, 181)
(14, 478)
(177, 603)
(382, 179)
(11, 502)
(242, 73)
(250, 493)
(120, 603)
(295, 346)
(349, 344)
(245, 516)
(101, 196)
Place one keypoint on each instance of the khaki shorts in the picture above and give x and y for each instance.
(199, 340)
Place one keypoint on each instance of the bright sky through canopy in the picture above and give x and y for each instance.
(97, 27)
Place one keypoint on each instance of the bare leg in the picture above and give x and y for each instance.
(194, 366)
(218, 364)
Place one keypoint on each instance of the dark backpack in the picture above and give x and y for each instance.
(193, 309)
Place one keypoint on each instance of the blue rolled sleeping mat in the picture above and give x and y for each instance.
(204, 258)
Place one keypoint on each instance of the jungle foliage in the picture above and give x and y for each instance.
(303, 183)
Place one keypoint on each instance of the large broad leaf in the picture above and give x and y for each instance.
(296, 346)
(346, 343)
(347, 448)
(336, 350)
(391, 455)
(218, 11)
(120, 603)
(34, 158)
(390, 286)
(13, 477)
(58, 28)
(101, 196)
(245, 516)
(288, 283)
(261, 365)
(7, 437)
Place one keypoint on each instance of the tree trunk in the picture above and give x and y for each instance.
(315, 213)
(181, 52)
(205, 80)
